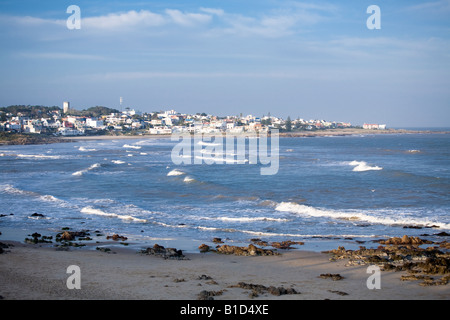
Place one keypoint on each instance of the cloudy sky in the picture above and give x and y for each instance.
(307, 59)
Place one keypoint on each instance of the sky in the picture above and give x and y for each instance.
(303, 59)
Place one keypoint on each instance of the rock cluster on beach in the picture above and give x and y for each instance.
(251, 249)
(403, 254)
(257, 289)
(166, 253)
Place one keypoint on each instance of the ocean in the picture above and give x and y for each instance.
(328, 191)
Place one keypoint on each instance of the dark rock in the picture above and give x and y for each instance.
(116, 237)
(37, 215)
(208, 295)
(217, 240)
(251, 250)
(341, 293)
(166, 253)
(285, 244)
(257, 289)
(334, 277)
(443, 234)
(203, 248)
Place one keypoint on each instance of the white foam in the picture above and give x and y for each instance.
(383, 218)
(84, 149)
(37, 156)
(360, 166)
(131, 146)
(81, 172)
(118, 161)
(188, 179)
(7, 188)
(98, 212)
(175, 172)
(249, 219)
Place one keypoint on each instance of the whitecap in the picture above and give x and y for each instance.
(175, 172)
(86, 150)
(383, 218)
(98, 212)
(360, 166)
(188, 179)
(81, 172)
(37, 156)
(131, 146)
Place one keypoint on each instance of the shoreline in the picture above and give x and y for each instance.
(39, 272)
(297, 134)
(24, 139)
(32, 140)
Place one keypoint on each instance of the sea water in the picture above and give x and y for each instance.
(328, 191)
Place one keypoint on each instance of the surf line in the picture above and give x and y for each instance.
(250, 148)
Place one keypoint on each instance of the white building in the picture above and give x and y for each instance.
(70, 132)
(94, 123)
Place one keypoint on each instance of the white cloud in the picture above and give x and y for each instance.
(124, 20)
(188, 19)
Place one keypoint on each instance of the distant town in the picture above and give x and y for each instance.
(99, 120)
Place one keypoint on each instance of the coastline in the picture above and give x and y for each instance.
(22, 139)
(298, 134)
(39, 272)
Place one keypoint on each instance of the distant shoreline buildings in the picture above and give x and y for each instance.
(66, 122)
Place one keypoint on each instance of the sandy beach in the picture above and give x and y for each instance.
(38, 272)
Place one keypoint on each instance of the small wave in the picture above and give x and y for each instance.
(175, 172)
(98, 212)
(36, 156)
(118, 161)
(414, 151)
(86, 150)
(81, 172)
(7, 188)
(188, 179)
(360, 166)
(355, 216)
(249, 219)
(131, 146)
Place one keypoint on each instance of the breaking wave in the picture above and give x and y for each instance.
(188, 179)
(84, 149)
(81, 172)
(175, 172)
(360, 166)
(35, 156)
(98, 212)
(131, 146)
(308, 211)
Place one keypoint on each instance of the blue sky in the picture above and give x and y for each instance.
(307, 59)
